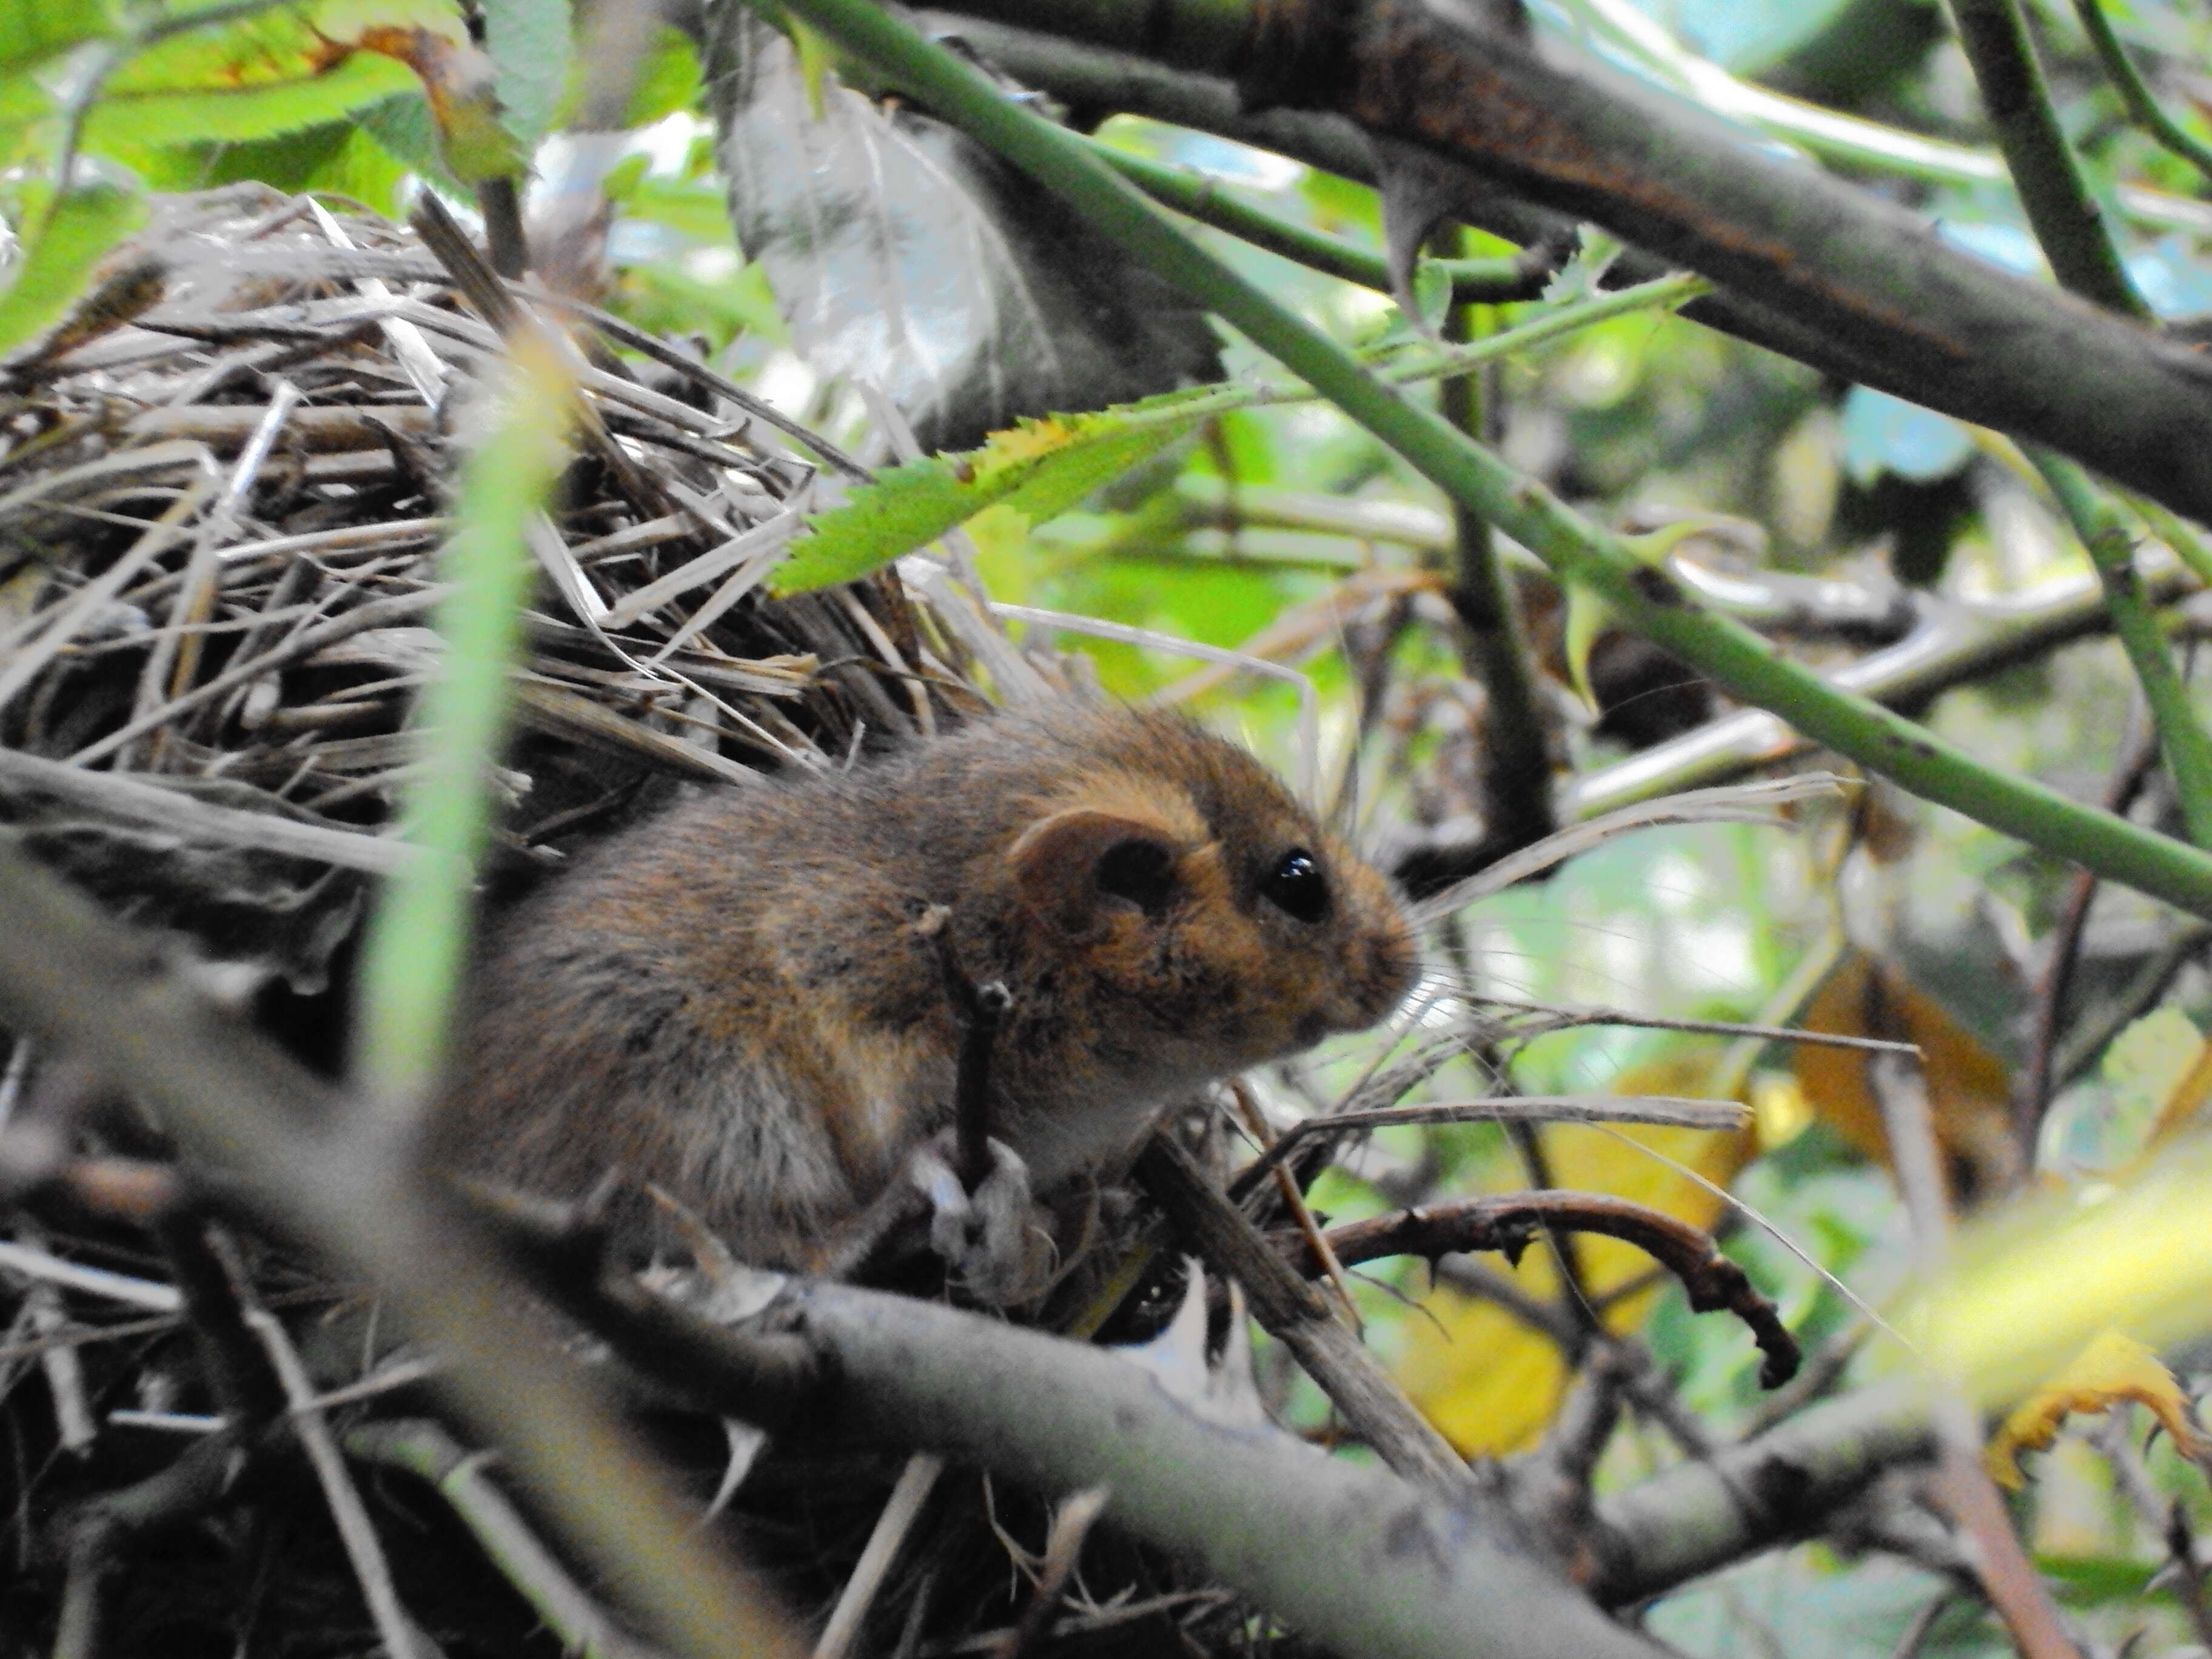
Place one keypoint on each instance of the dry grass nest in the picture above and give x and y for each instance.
(225, 482)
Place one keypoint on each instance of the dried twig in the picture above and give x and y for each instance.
(1070, 1527)
(900, 1510)
(2063, 949)
(1550, 1017)
(402, 1638)
(1372, 1405)
(1723, 1116)
(102, 1529)
(1293, 1197)
(1508, 1224)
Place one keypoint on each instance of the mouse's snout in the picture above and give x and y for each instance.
(1378, 958)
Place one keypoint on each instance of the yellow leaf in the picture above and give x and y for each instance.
(2111, 1371)
(1969, 1089)
(2187, 1097)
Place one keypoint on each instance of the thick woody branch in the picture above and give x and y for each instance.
(1768, 1492)
(1349, 1555)
(1097, 79)
(1827, 261)
(771, 1380)
(1510, 1223)
(1251, 1506)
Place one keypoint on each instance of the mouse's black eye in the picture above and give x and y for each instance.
(1297, 887)
(1141, 872)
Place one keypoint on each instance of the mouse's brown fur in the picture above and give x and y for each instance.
(732, 1000)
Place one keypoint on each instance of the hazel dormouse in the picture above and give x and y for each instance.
(732, 1001)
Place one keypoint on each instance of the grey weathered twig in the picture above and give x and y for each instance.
(1070, 1527)
(195, 1483)
(1764, 1492)
(893, 1527)
(401, 1637)
(1721, 1116)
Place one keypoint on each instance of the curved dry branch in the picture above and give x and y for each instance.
(1508, 1224)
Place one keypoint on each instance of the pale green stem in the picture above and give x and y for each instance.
(418, 940)
(2106, 531)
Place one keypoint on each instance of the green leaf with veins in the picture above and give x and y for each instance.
(1040, 468)
(338, 156)
(254, 77)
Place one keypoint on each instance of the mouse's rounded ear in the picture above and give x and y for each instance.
(1069, 866)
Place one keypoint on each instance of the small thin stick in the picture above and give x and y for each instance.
(376, 613)
(41, 1265)
(1566, 1016)
(1722, 1117)
(394, 1628)
(1369, 1398)
(2064, 949)
(423, 1449)
(1064, 1543)
(900, 1510)
(2188, 1578)
(53, 628)
(192, 1485)
(1746, 803)
(980, 1009)
(1916, 1633)
(73, 1426)
(1255, 1123)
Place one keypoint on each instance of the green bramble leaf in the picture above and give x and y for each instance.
(1040, 467)
(253, 77)
(337, 156)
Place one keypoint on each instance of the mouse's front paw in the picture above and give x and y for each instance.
(993, 1239)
